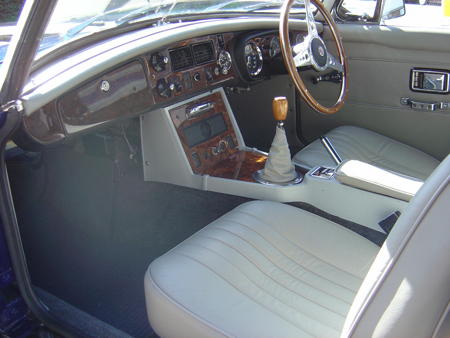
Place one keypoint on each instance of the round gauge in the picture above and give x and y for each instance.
(224, 61)
(253, 58)
(274, 47)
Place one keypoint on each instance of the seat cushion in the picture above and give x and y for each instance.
(353, 143)
(264, 269)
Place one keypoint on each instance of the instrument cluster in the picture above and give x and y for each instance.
(190, 66)
(258, 55)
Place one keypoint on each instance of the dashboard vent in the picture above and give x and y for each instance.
(181, 58)
(203, 52)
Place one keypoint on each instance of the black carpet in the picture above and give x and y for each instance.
(93, 327)
(91, 226)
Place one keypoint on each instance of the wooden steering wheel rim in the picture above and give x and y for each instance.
(286, 50)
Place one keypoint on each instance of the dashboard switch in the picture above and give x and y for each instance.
(209, 75)
(187, 80)
(197, 77)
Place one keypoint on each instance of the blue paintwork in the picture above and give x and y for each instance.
(15, 317)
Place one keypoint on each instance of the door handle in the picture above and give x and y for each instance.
(427, 106)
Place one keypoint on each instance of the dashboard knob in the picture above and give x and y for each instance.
(222, 146)
(163, 88)
(197, 77)
(159, 61)
(175, 84)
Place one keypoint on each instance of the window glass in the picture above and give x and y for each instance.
(357, 10)
(424, 13)
(9, 13)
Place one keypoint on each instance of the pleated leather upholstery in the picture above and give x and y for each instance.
(264, 269)
(354, 143)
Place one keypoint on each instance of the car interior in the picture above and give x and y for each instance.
(244, 176)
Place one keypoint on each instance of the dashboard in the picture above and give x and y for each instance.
(156, 79)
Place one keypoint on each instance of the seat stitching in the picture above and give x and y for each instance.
(294, 244)
(300, 265)
(376, 158)
(254, 299)
(190, 313)
(357, 147)
(242, 292)
(270, 277)
(297, 246)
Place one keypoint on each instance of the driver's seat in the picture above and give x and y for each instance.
(268, 269)
(354, 143)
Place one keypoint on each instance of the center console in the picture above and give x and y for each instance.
(209, 140)
(197, 143)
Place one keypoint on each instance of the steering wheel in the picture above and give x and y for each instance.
(313, 52)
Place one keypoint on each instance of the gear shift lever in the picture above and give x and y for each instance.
(280, 108)
(279, 168)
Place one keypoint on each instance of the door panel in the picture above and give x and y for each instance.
(380, 59)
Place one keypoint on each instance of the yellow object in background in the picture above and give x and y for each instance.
(446, 7)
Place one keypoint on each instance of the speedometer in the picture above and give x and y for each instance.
(253, 58)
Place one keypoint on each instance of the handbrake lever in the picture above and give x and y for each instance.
(331, 150)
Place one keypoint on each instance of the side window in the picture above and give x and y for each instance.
(412, 13)
(424, 13)
(9, 12)
(357, 10)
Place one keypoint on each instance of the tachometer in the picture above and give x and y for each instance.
(253, 58)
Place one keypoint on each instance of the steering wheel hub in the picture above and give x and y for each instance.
(319, 54)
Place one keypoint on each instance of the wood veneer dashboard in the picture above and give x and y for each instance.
(155, 79)
(152, 80)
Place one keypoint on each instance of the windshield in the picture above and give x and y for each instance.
(75, 19)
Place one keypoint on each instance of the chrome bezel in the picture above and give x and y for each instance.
(256, 48)
(416, 71)
(258, 177)
(225, 66)
(276, 40)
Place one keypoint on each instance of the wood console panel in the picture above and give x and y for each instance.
(239, 166)
(202, 156)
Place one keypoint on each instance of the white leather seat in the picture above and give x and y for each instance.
(271, 270)
(354, 143)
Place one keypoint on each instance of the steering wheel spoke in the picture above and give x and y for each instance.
(333, 63)
(313, 51)
(302, 56)
(311, 23)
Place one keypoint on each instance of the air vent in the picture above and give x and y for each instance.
(181, 58)
(203, 52)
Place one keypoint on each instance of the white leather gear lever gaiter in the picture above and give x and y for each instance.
(279, 167)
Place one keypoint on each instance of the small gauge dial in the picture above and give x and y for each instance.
(253, 58)
(274, 47)
(224, 61)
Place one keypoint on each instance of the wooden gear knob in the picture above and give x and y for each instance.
(280, 108)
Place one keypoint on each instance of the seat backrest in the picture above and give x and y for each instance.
(406, 292)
